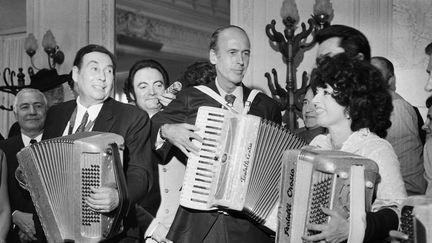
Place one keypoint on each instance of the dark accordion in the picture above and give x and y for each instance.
(416, 219)
(59, 172)
(238, 166)
(312, 179)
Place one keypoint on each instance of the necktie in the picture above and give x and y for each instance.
(32, 141)
(83, 123)
(229, 98)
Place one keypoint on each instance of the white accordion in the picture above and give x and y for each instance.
(416, 219)
(59, 172)
(332, 179)
(238, 166)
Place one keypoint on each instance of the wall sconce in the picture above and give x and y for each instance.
(289, 44)
(55, 57)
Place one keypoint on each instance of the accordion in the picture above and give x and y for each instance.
(416, 219)
(314, 178)
(59, 172)
(238, 166)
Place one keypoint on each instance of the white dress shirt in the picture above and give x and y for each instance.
(238, 93)
(26, 139)
(93, 112)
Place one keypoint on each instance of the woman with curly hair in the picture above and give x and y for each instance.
(353, 103)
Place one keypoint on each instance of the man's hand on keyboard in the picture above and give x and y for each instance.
(181, 135)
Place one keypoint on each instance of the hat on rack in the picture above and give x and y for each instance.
(46, 79)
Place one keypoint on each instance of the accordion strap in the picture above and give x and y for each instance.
(206, 90)
(123, 206)
(357, 205)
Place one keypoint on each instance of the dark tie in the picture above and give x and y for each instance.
(229, 98)
(83, 123)
(33, 141)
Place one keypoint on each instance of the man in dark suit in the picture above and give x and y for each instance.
(30, 109)
(93, 110)
(229, 52)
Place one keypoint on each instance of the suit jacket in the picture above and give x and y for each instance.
(131, 123)
(19, 198)
(198, 226)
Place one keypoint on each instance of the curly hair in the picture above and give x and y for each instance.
(146, 63)
(428, 49)
(360, 88)
(198, 73)
(429, 102)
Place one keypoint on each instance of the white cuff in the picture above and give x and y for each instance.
(159, 140)
(152, 227)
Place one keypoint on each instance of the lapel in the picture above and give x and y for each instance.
(246, 90)
(55, 126)
(104, 121)
(212, 85)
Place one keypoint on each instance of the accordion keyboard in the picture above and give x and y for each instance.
(203, 171)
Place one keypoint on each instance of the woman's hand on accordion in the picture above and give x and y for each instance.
(397, 236)
(337, 230)
(181, 135)
(103, 199)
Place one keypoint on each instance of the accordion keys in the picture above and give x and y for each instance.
(312, 179)
(59, 174)
(238, 166)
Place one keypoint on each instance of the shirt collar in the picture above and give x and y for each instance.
(26, 139)
(351, 145)
(93, 110)
(238, 93)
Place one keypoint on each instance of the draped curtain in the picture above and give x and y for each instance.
(12, 55)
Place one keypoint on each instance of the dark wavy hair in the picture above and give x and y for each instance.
(352, 40)
(93, 48)
(428, 49)
(146, 63)
(198, 73)
(429, 102)
(360, 88)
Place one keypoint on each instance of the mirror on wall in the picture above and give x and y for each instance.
(174, 32)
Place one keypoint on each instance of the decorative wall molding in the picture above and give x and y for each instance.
(176, 38)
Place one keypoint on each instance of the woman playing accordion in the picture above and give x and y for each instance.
(353, 103)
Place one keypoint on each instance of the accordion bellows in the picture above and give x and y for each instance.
(59, 173)
(312, 179)
(238, 166)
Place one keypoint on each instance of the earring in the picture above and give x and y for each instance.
(347, 116)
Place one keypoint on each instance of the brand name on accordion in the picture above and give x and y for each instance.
(288, 206)
(246, 163)
(291, 185)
